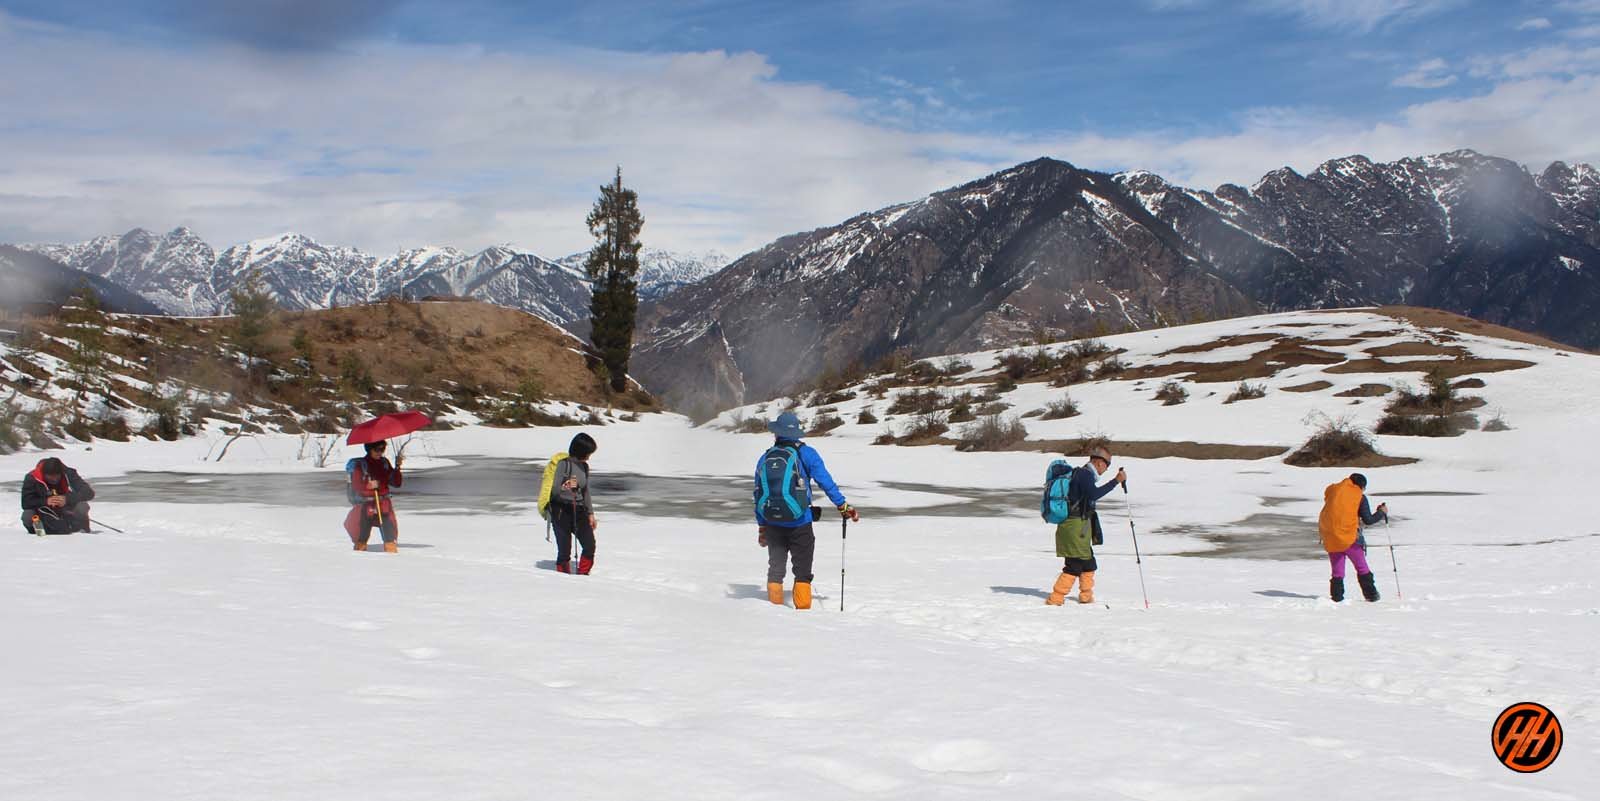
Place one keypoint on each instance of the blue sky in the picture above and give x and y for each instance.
(740, 121)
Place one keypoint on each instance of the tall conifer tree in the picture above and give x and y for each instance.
(613, 268)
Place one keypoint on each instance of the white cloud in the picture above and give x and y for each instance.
(1363, 15)
(1583, 32)
(398, 145)
(1535, 24)
(1431, 74)
(403, 145)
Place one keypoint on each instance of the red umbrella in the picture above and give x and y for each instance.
(387, 426)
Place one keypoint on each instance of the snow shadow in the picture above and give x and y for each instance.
(747, 591)
(1286, 594)
(1031, 592)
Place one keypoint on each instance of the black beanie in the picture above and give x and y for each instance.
(52, 467)
(1360, 480)
(582, 447)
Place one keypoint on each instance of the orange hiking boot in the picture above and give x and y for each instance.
(1086, 588)
(361, 546)
(775, 592)
(802, 595)
(391, 547)
(1058, 593)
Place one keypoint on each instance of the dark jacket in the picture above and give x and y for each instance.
(570, 469)
(36, 491)
(1083, 488)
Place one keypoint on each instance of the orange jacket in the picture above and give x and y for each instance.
(1340, 522)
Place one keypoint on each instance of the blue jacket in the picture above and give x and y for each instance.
(815, 470)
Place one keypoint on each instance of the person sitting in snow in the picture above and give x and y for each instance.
(571, 508)
(1344, 512)
(783, 507)
(56, 497)
(370, 480)
(1080, 532)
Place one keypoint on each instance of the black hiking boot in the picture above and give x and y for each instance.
(1369, 586)
(1336, 589)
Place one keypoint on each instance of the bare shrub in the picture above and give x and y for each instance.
(961, 412)
(886, 435)
(1333, 443)
(916, 401)
(1497, 422)
(1172, 393)
(1088, 441)
(866, 417)
(1087, 349)
(823, 423)
(1113, 366)
(1247, 391)
(1060, 409)
(993, 433)
(926, 426)
(1413, 425)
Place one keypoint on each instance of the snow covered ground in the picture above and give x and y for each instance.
(243, 652)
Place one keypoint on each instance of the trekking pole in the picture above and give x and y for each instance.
(1399, 596)
(844, 533)
(103, 525)
(1138, 560)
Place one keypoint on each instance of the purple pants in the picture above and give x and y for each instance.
(1357, 554)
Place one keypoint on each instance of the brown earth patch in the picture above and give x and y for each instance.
(1290, 352)
(1436, 318)
(1365, 391)
(1470, 383)
(1418, 349)
(1335, 343)
(1393, 332)
(1452, 368)
(1157, 449)
(1225, 342)
(1314, 386)
(1370, 460)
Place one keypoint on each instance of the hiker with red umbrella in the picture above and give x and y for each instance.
(373, 476)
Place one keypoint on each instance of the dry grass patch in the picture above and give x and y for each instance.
(1365, 391)
(1451, 367)
(1314, 386)
(1218, 344)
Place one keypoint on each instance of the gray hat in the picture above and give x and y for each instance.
(787, 426)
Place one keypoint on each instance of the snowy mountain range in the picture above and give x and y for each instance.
(1046, 249)
(182, 274)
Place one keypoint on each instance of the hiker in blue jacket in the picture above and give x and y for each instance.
(783, 507)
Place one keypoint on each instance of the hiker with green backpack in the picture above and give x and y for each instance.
(564, 502)
(1069, 503)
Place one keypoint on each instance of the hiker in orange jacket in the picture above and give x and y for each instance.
(1344, 512)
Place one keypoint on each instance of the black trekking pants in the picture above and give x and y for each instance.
(58, 521)
(567, 523)
(799, 542)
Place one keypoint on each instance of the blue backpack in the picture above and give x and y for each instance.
(350, 493)
(1056, 505)
(783, 490)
